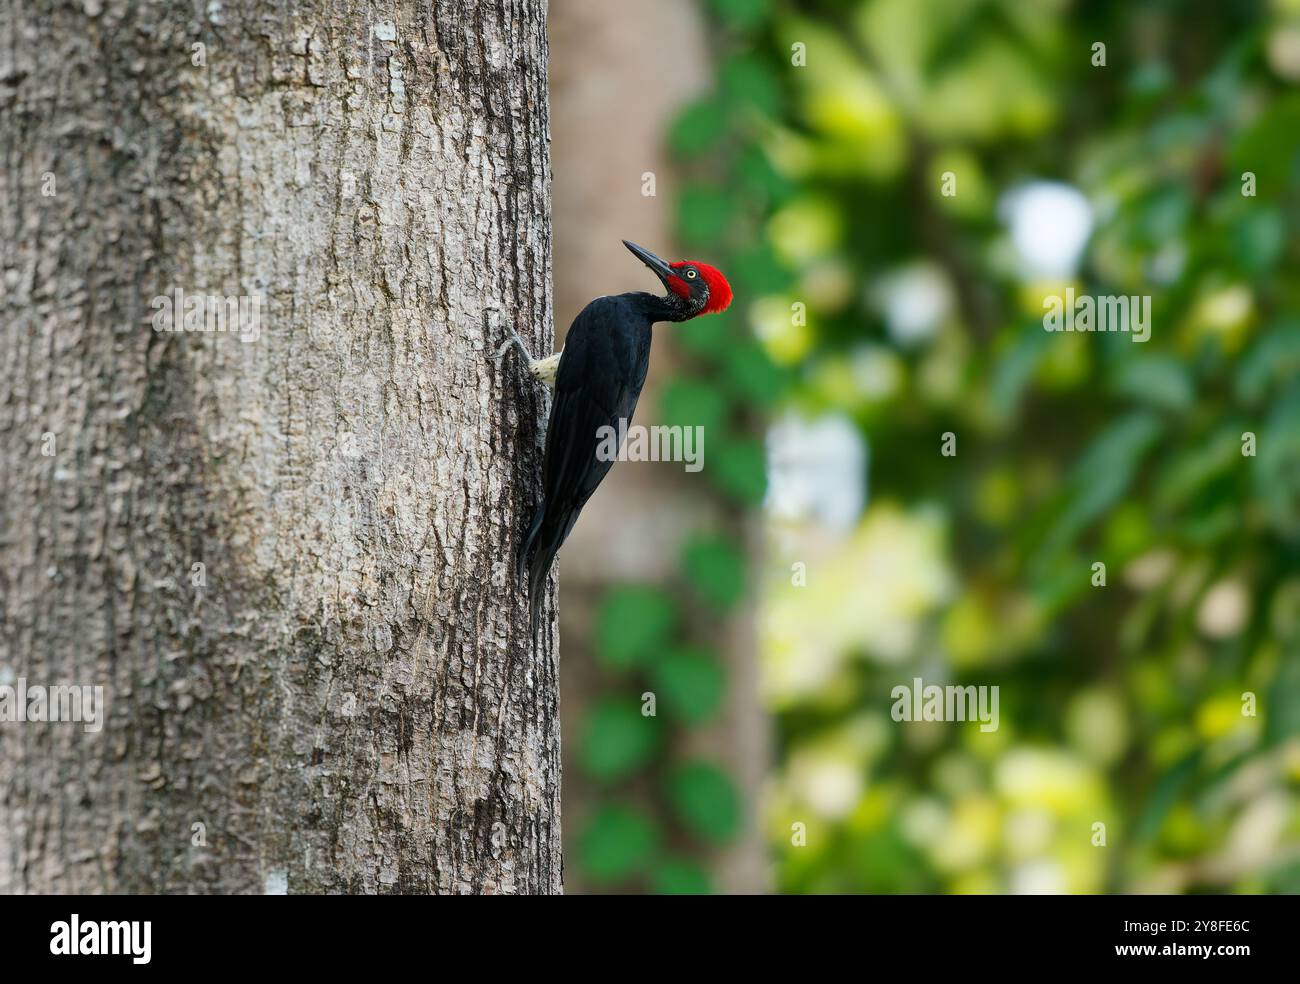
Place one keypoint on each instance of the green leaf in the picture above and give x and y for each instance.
(632, 625)
(1267, 147)
(706, 801)
(677, 876)
(747, 80)
(1017, 361)
(1189, 471)
(703, 213)
(710, 337)
(1284, 697)
(757, 271)
(690, 683)
(739, 468)
(1150, 79)
(698, 127)
(1276, 356)
(716, 569)
(1119, 447)
(1258, 239)
(1170, 788)
(1158, 381)
(690, 403)
(1099, 478)
(617, 739)
(616, 843)
(752, 375)
(740, 13)
(1276, 474)
(760, 179)
(1166, 214)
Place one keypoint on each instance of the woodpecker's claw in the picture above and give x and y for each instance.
(542, 369)
(514, 339)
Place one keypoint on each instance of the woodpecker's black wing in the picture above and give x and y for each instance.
(602, 370)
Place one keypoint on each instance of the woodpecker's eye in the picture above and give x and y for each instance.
(691, 274)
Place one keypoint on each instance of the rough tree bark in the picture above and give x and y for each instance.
(343, 696)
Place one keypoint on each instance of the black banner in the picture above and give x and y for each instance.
(140, 935)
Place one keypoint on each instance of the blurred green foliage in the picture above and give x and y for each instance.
(1126, 703)
(628, 745)
(689, 683)
(633, 626)
(855, 170)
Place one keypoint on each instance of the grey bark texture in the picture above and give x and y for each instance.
(343, 697)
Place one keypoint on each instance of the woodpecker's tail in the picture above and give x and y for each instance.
(546, 533)
(537, 562)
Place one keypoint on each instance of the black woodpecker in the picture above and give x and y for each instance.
(597, 379)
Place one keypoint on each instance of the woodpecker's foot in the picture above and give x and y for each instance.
(514, 339)
(543, 369)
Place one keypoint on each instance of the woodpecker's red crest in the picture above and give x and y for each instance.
(719, 289)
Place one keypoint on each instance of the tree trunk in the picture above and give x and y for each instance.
(286, 553)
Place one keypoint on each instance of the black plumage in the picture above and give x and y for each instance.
(601, 372)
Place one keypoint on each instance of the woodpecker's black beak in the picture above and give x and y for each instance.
(662, 270)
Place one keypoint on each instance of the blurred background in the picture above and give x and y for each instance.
(892, 187)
